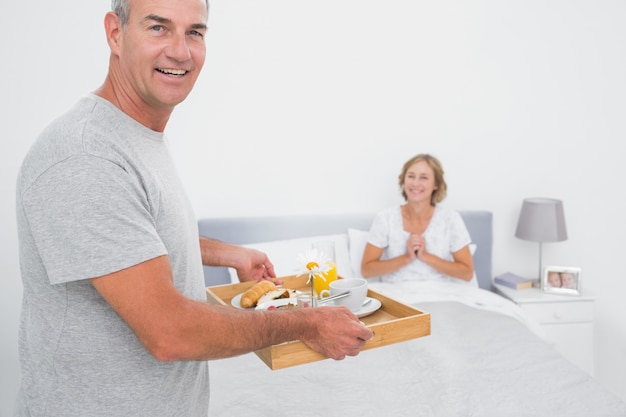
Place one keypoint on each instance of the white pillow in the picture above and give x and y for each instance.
(356, 243)
(283, 254)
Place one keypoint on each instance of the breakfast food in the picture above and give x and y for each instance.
(251, 297)
(288, 305)
(264, 292)
(277, 295)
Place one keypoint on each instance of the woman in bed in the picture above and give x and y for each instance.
(419, 240)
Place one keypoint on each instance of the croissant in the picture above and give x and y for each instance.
(251, 297)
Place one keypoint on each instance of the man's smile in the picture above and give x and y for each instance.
(178, 72)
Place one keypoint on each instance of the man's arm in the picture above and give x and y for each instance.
(173, 327)
(251, 264)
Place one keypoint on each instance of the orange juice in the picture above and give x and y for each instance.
(321, 285)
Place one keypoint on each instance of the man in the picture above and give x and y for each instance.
(114, 321)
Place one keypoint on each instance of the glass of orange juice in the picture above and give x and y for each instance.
(327, 247)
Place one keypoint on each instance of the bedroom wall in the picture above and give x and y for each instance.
(313, 107)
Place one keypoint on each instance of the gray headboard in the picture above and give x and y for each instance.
(243, 230)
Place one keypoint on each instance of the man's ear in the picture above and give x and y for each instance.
(113, 30)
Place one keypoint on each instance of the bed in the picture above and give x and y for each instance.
(484, 357)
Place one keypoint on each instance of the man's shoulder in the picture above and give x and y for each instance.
(81, 131)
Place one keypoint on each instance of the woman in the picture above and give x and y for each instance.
(419, 240)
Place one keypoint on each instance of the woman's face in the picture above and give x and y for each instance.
(419, 182)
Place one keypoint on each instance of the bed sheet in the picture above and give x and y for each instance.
(481, 359)
(417, 292)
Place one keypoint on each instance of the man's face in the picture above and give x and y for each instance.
(162, 51)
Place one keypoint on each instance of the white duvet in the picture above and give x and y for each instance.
(481, 359)
(417, 292)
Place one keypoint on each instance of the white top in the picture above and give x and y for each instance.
(446, 233)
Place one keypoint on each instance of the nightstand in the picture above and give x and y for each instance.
(567, 321)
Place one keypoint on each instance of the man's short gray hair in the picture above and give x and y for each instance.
(122, 9)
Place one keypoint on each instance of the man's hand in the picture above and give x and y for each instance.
(256, 266)
(336, 332)
(250, 264)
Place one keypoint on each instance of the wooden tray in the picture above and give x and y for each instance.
(394, 322)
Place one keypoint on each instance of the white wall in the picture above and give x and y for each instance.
(313, 106)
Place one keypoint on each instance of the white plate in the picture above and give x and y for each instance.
(277, 303)
(236, 300)
(369, 308)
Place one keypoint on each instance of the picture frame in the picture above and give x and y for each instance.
(561, 280)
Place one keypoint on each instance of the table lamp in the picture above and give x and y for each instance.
(541, 220)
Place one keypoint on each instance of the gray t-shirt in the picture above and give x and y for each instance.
(97, 193)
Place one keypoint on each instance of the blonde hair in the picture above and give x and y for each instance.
(442, 188)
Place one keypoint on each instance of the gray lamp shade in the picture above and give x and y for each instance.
(541, 220)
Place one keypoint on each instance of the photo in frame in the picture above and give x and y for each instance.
(561, 280)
